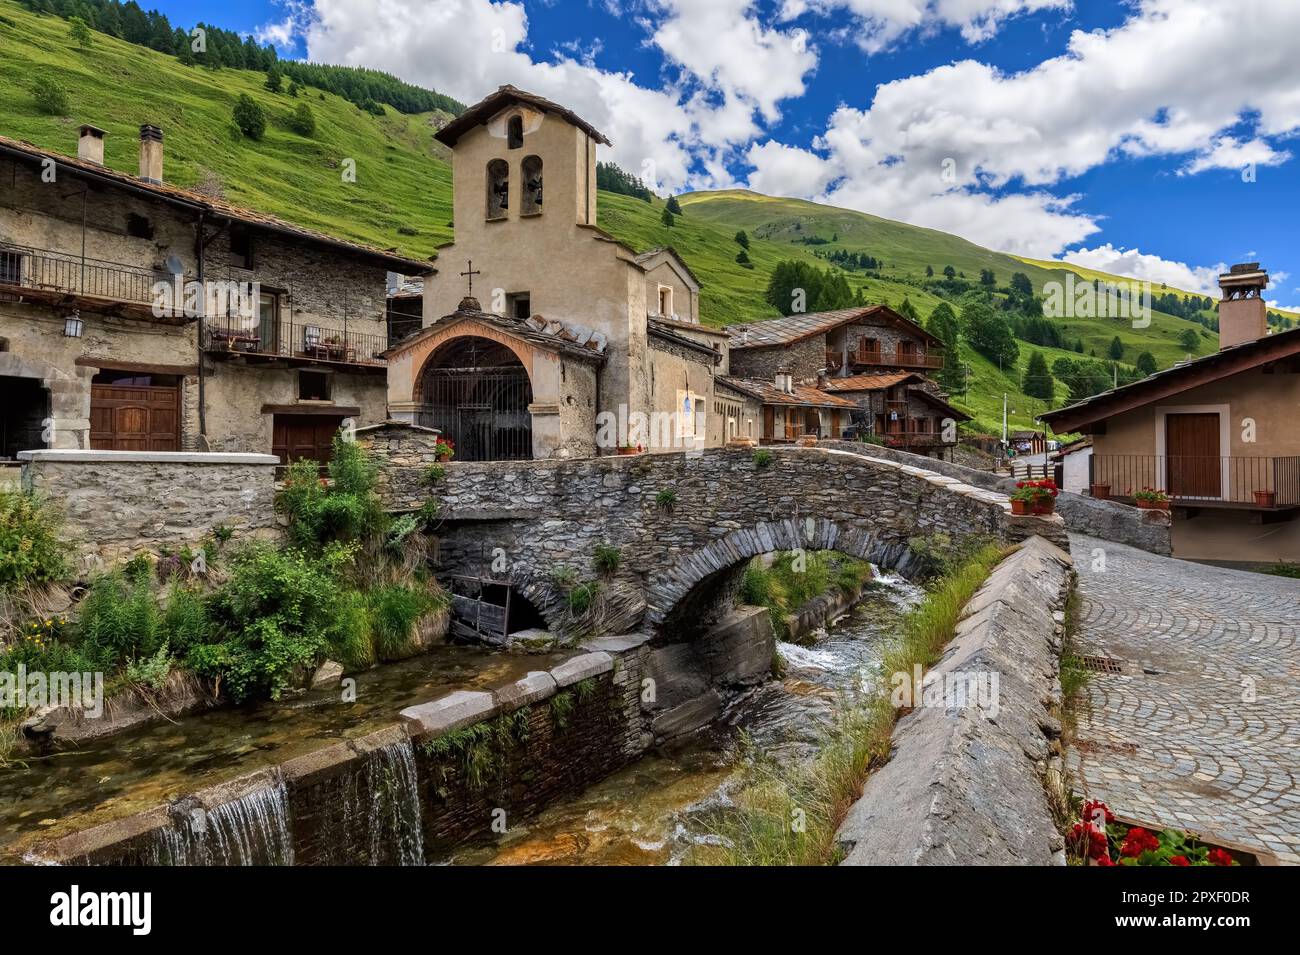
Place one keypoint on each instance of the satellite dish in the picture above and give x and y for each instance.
(173, 265)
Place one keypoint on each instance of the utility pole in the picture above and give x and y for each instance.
(1004, 419)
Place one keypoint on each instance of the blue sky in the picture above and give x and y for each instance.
(1152, 138)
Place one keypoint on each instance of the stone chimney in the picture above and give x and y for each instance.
(1243, 316)
(90, 144)
(785, 382)
(151, 154)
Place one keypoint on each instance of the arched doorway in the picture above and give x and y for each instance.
(477, 392)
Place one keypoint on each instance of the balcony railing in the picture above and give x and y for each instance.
(301, 341)
(56, 275)
(911, 439)
(1199, 479)
(890, 358)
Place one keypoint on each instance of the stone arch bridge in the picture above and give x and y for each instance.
(686, 524)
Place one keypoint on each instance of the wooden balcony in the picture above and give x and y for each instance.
(887, 358)
(60, 279)
(293, 343)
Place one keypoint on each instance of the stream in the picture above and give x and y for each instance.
(657, 810)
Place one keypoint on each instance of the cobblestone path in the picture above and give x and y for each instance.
(1202, 731)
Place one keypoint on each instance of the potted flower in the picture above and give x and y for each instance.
(626, 449)
(1150, 499)
(1034, 497)
(1265, 498)
(443, 450)
(1099, 839)
(1099, 491)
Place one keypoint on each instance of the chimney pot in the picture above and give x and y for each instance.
(1243, 314)
(90, 144)
(151, 154)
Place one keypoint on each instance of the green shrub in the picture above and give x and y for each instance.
(346, 508)
(762, 459)
(606, 558)
(51, 98)
(118, 621)
(1284, 570)
(276, 615)
(352, 640)
(186, 622)
(249, 117)
(302, 122)
(394, 612)
(31, 553)
(666, 499)
(435, 473)
(153, 671)
(581, 597)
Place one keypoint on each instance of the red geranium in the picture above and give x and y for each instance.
(1220, 857)
(1137, 842)
(1178, 860)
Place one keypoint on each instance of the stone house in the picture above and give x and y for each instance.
(1217, 434)
(543, 335)
(135, 315)
(782, 411)
(851, 341)
(903, 409)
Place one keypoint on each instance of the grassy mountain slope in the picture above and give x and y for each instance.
(400, 184)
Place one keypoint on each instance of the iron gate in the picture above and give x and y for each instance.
(483, 411)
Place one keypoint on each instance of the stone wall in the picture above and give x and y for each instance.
(541, 517)
(803, 358)
(403, 453)
(120, 503)
(1147, 530)
(404, 793)
(965, 784)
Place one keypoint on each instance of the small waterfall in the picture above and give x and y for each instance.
(382, 804)
(250, 830)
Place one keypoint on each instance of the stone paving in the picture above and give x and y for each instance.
(1203, 730)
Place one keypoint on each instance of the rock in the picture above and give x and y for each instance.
(537, 685)
(687, 717)
(581, 668)
(450, 712)
(327, 674)
(738, 651)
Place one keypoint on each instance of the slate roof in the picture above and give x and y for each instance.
(769, 394)
(870, 382)
(571, 338)
(505, 96)
(217, 208)
(792, 328)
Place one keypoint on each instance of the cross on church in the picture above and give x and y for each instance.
(470, 275)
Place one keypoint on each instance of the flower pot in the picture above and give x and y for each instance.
(1162, 505)
(1145, 505)
(1019, 507)
(1099, 491)
(627, 451)
(1044, 507)
(1265, 498)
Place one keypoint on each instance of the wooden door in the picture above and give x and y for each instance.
(135, 417)
(1193, 465)
(769, 422)
(294, 437)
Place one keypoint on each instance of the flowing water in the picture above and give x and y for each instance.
(146, 767)
(250, 830)
(657, 810)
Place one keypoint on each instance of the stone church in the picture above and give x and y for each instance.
(544, 336)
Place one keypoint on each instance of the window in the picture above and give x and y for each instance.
(313, 386)
(498, 189)
(11, 267)
(515, 132)
(241, 248)
(519, 305)
(665, 301)
(138, 226)
(531, 170)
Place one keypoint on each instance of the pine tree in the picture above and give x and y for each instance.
(674, 206)
(79, 33)
(667, 218)
(742, 239)
(1038, 382)
(1116, 350)
(274, 81)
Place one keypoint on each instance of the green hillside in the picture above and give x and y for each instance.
(402, 194)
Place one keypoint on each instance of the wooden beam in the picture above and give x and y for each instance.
(144, 368)
(343, 411)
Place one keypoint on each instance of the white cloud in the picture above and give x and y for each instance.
(880, 23)
(1227, 152)
(1171, 81)
(1135, 264)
